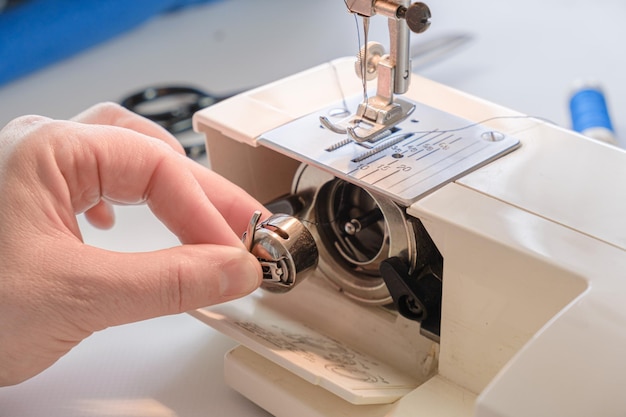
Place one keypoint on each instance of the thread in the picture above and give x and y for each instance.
(590, 115)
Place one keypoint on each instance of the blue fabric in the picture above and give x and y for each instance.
(37, 33)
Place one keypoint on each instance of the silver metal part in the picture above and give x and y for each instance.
(355, 231)
(381, 112)
(248, 236)
(419, 155)
(285, 249)
(366, 64)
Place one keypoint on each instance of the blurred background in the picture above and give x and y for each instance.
(523, 55)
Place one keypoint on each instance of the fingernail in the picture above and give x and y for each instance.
(240, 276)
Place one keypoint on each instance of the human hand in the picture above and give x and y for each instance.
(54, 289)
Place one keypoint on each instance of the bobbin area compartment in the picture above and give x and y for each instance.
(355, 231)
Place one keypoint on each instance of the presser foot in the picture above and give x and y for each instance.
(372, 121)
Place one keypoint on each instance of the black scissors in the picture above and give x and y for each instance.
(171, 106)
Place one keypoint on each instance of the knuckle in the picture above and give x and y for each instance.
(23, 125)
(108, 107)
(172, 287)
(185, 288)
(102, 113)
(25, 134)
(27, 120)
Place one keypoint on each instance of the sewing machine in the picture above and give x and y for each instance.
(439, 254)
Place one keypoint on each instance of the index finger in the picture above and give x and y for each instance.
(78, 164)
(234, 203)
(113, 114)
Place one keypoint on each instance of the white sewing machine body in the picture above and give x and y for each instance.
(533, 315)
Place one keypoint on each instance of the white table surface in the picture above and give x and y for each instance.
(524, 55)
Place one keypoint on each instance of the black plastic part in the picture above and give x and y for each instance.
(176, 105)
(290, 204)
(417, 295)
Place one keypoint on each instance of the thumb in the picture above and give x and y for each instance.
(127, 287)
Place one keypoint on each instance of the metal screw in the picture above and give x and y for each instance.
(417, 17)
(492, 136)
